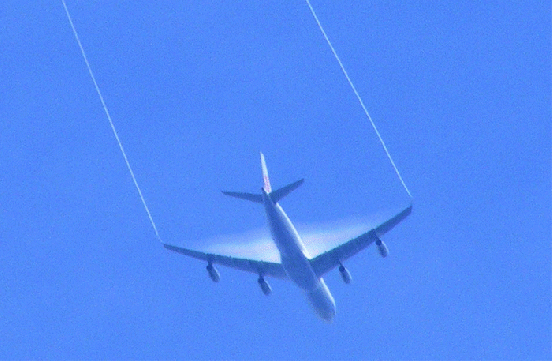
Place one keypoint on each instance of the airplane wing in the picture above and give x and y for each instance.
(332, 258)
(254, 266)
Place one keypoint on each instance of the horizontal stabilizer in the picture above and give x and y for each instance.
(257, 198)
(275, 196)
(284, 191)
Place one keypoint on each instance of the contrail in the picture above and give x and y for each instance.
(357, 95)
(110, 121)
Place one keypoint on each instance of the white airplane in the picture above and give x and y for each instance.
(295, 263)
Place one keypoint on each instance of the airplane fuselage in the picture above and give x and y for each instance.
(294, 259)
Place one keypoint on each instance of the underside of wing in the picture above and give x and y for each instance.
(258, 267)
(333, 258)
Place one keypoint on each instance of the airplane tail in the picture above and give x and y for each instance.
(267, 188)
(274, 195)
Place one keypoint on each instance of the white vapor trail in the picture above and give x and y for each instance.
(109, 119)
(357, 95)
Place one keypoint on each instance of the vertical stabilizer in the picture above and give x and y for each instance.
(267, 188)
(274, 196)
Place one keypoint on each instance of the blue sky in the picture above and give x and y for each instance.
(460, 93)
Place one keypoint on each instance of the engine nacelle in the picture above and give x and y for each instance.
(345, 274)
(213, 273)
(265, 287)
(382, 248)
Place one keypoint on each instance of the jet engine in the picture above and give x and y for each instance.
(345, 274)
(265, 287)
(213, 273)
(382, 248)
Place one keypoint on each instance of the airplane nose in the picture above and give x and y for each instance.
(322, 301)
(328, 314)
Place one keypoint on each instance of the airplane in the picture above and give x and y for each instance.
(295, 263)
